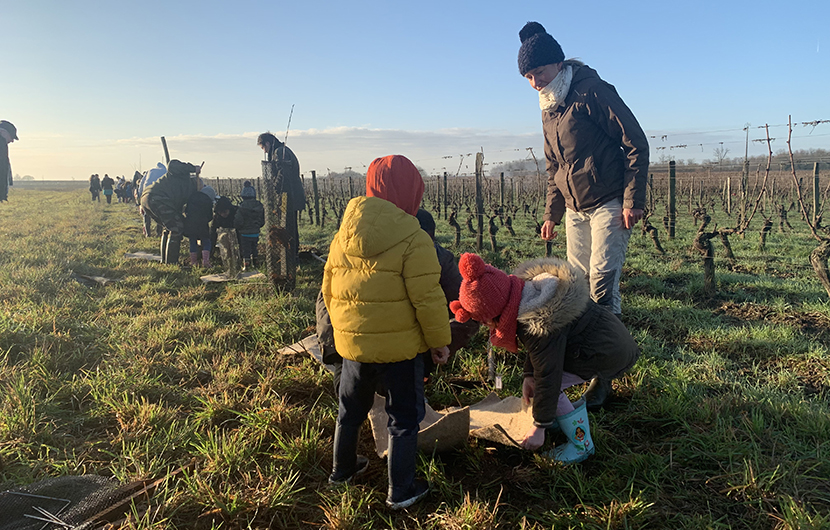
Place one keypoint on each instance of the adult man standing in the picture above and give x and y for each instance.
(8, 134)
(597, 164)
(289, 166)
(165, 200)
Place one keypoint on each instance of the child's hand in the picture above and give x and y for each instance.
(528, 389)
(534, 439)
(440, 355)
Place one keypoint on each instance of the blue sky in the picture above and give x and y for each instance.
(91, 85)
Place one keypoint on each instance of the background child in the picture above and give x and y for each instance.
(381, 289)
(248, 220)
(197, 216)
(569, 339)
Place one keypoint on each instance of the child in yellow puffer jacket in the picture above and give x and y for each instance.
(381, 288)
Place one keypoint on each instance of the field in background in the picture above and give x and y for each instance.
(723, 423)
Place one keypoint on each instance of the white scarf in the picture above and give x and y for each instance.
(556, 91)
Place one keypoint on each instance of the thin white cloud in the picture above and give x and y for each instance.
(236, 155)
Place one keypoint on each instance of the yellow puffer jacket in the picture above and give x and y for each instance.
(381, 285)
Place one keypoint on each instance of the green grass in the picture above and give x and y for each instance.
(723, 423)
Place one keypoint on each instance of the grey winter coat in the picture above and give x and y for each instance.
(596, 150)
(249, 217)
(569, 332)
(172, 189)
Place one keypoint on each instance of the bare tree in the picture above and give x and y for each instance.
(720, 153)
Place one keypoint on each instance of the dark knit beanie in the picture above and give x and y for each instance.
(248, 192)
(538, 48)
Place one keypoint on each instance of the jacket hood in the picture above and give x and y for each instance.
(372, 225)
(565, 304)
(396, 179)
(584, 75)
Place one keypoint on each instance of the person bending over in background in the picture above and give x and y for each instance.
(381, 288)
(150, 177)
(165, 199)
(567, 336)
(249, 219)
(597, 164)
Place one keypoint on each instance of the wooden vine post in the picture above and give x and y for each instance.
(816, 195)
(479, 201)
(672, 203)
(316, 198)
(446, 201)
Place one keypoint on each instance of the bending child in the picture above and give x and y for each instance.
(569, 340)
(381, 288)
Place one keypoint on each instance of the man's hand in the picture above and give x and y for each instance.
(548, 231)
(630, 216)
(534, 439)
(528, 389)
(440, 355)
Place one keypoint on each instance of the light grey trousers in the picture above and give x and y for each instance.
(597, 243)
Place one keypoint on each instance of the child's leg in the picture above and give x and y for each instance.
(206, 248)
(356, 398)
(568, 380)
(254, 250)
(404, 382)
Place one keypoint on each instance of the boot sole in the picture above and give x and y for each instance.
(406, 503)
(359, 471)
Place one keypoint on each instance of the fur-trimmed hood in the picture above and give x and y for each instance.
(565, 304)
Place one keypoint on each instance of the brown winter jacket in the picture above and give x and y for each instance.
(292, 183)
(571, 333)
(595, 149)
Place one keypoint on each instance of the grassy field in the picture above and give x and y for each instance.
(723, 423)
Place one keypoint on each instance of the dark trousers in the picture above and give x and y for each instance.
(404, 384)
(248, 247)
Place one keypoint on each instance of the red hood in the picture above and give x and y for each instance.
(397, 180)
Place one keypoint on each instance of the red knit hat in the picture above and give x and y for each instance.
(486, 294)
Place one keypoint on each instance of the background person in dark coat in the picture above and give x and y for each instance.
(8, 134)
(107, 185)
(95, 187)
(292, 184)
(165, 199)
(249, 219)
(197, 216)
(597, 163)
(224, 214)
